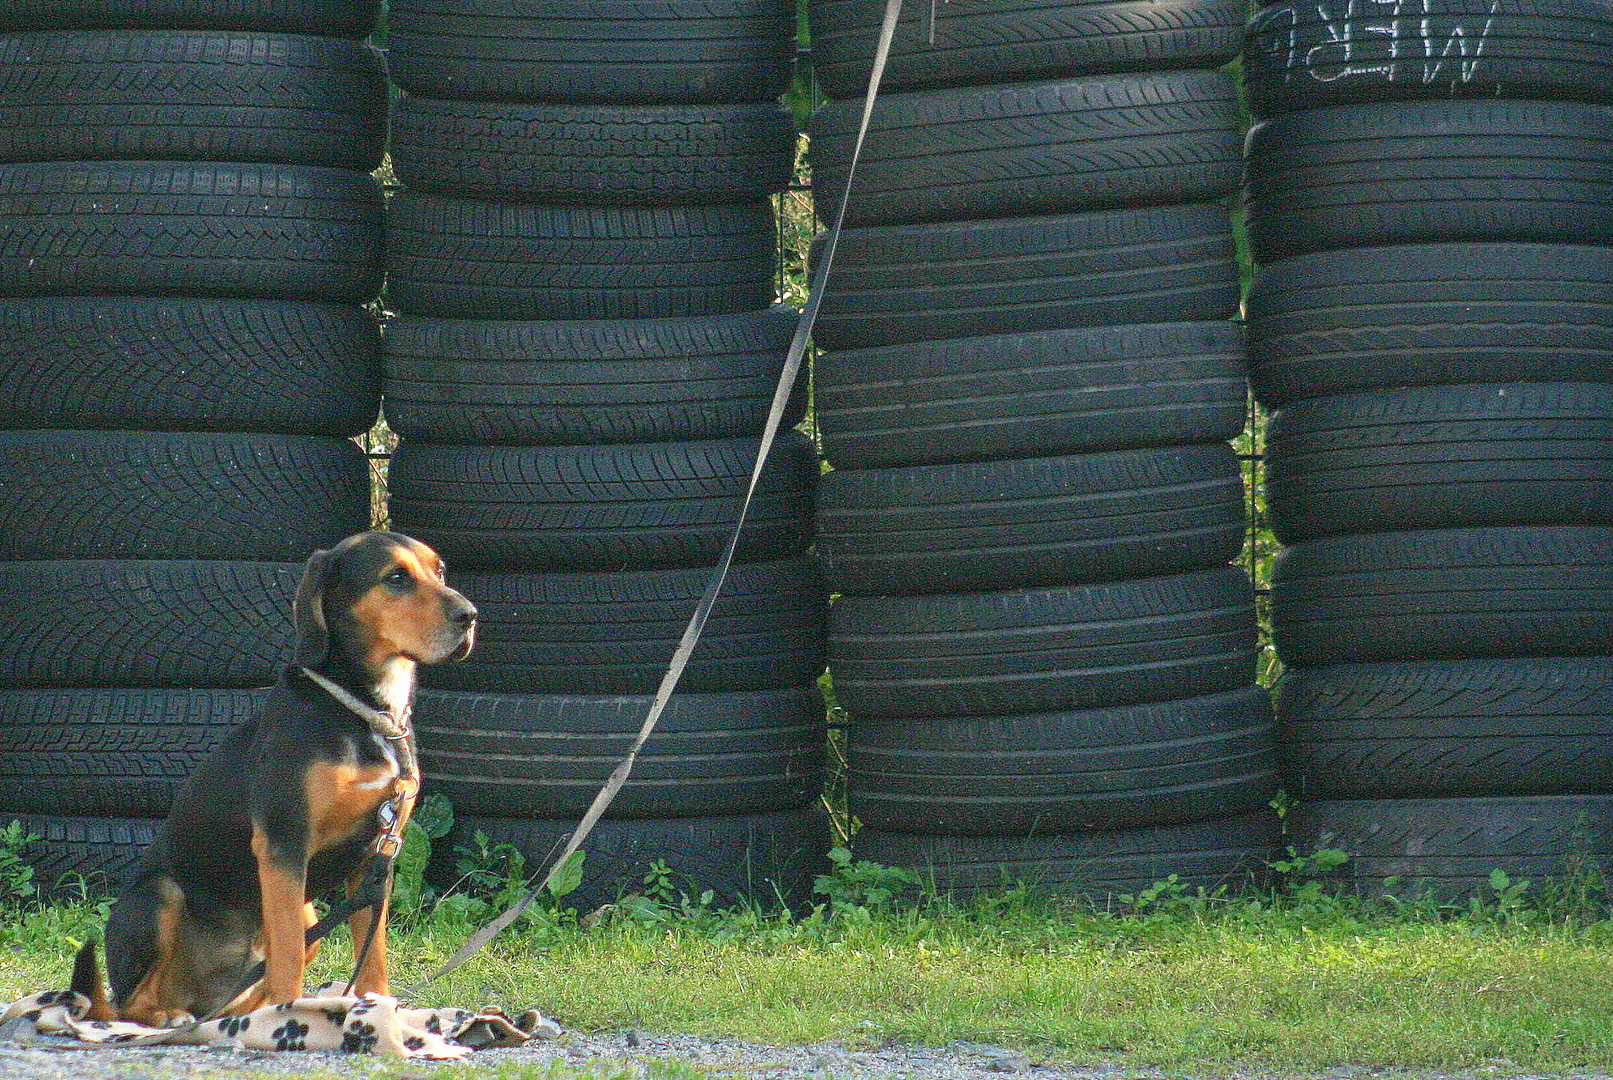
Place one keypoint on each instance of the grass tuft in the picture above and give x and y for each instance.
(1296, 979)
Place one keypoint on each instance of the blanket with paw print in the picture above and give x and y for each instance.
(325, 1020)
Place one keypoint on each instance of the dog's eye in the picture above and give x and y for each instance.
(399, 579)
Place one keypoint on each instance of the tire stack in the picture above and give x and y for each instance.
(188, 229)
(1029, 383)
(1431, 203)
(583, 356)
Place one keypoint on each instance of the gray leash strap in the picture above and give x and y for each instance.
(680, 657)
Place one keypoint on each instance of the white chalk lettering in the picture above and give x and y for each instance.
(1391, 40)
(1456, 45)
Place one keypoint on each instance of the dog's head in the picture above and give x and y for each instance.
(377, 597)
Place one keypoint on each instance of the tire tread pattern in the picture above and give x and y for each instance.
(1454, 594)
(1441, 728)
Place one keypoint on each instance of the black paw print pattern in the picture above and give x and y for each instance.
(292, 1035)
(359, 1038)
(231, 1026)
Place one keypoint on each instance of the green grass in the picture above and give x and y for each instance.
(1433, 997)
(1296, 982)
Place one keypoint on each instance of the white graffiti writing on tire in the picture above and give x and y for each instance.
(1393, 40)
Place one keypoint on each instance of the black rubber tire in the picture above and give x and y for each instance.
(144, 95)
(594, 381)
(600, 153)
(476, 258)
(1100, 867)
(548, 755)
(1448, 848)
(640, 505)
(83, 857)
(177, 495)
(348, 18)
(1445, 594)
(1333, 322)
(628, 51)
(146, 363)
(614, 633)
(1418, 171)
(1031, 148)
(999, 41)
(1159, 764)
(1531, 726)
(771, 860)
(1037, 521)
(1031, 395)
(152, 623)
(1043, 650)
(283, 232)
(1441, 457)
(1303, 55)
(902, 283)
(115, 753)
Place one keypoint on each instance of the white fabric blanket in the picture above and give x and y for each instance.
(325, 1020)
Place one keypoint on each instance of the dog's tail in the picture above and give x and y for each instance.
(87, 981)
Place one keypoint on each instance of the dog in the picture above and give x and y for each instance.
(290, 805)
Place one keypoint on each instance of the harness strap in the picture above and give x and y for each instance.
(680, 657)
(400, 734)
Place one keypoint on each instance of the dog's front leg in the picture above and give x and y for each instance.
(282, 883)
(370, 922)
(365, 922)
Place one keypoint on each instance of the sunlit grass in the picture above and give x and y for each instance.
(1203, 986)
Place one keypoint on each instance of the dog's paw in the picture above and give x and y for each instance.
(168, 1018)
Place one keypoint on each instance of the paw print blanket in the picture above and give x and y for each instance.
(325, 1020)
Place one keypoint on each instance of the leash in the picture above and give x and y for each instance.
(697, 623)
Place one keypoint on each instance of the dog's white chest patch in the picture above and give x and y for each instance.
(396, 686)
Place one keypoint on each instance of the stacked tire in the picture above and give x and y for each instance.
(188, 230)
(1028, 385)
(583, 353)
(1429, 201)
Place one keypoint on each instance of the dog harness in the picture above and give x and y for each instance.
(398, 733)
(375, 889)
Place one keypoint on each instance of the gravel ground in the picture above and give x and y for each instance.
(49, 1058)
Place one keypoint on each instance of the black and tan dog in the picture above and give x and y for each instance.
(288, 808)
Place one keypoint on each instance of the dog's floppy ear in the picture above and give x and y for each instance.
(308, 611)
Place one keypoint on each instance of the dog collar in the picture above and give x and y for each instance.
(384, 724)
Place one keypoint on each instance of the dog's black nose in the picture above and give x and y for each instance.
(463, 617)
